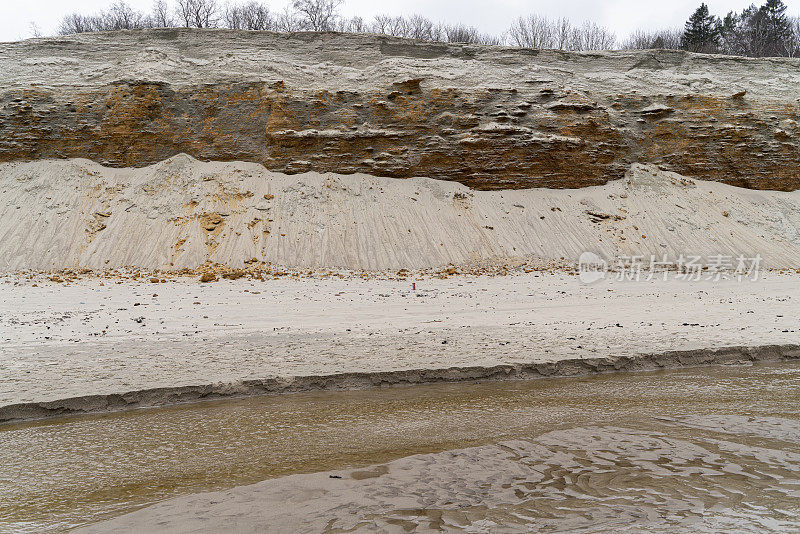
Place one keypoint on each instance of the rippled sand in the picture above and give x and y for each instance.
(592, 479)
(714, 449)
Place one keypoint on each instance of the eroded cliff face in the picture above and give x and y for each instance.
(488, 117)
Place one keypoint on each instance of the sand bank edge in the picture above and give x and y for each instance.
(165, 396)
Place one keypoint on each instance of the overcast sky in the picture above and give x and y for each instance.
(492, 16)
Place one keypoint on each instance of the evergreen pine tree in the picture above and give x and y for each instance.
(701, 33)
(775, 28)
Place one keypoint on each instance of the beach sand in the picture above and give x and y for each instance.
(94, 337)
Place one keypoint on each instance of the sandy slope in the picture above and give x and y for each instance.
(182, 213)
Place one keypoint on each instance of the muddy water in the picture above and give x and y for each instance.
(714, 448)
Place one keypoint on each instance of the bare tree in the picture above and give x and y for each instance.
(388, 25)
(590, 36)
(197, 13)
(249, 16)
(184, 12)
(789, 45)
(563, 34)
(419, 27)
(318, 15)
(288, 21)
(77, 23)
(381, 24)
(460, 33)
(161, 16)
(793, 44)
(353, 25)
(532, 31)
(121, 16)
(257, 16)
(232, 17)
(535, 31)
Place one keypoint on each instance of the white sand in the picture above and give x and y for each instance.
(182, 213)
(60, 341)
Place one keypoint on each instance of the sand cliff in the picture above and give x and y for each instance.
(488, 117)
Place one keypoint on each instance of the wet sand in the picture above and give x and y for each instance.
(91, 343)
(705, 449)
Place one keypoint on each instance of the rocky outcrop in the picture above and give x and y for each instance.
(488, 117)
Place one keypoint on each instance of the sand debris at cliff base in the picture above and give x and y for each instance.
(185, 214)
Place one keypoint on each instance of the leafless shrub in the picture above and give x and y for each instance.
(489, 39)
(644, 40)
(460, 33)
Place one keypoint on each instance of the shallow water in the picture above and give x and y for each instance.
(714, 448)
